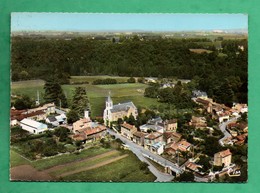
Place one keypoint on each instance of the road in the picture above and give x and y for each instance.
(139, 151)
(223, 127)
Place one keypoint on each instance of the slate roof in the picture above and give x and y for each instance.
(52, 119)
(122, 107)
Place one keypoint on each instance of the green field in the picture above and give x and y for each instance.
(124, 170)
(57, 160)
(86, 163)
(96, 93)
(16, 159)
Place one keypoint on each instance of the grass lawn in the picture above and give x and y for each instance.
(16, 159)
(126, 169)
(66, 158)
(156, 165)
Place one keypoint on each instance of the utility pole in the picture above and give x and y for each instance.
(178, 160)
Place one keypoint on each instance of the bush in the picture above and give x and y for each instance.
(131, 80)
(104, 81)
(143, 166)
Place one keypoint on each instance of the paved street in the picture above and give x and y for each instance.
(222, 127)
(139, 151)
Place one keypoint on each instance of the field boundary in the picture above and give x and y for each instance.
(58, 167)
(93, 167)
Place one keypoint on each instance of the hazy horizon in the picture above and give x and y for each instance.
(91, 22)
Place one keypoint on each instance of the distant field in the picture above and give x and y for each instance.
(200, 51)
(96, 93)
(28, 87)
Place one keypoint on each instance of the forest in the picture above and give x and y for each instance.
(222, 67)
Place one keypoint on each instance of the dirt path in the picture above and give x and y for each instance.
(58, 167)
(28, 173)
(94, 166)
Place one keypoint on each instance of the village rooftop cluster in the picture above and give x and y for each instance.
(157, 140)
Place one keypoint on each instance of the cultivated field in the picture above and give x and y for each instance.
(96, 93)
(94, 164)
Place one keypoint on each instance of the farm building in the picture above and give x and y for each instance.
(33, 126)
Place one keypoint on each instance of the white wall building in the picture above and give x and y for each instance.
(32, 126)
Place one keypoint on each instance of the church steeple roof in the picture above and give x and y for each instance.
(109, 98)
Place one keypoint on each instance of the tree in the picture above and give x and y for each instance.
(140, 79)
(23, 103)
(62, 133)
(72, 116)
(54, 92)
(80, 101)
(185, 177)
(24, 75)
(131, 80)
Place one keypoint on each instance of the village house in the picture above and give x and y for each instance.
(171, 125)
(241, 127)
(18, 115)
(82, 124)
(240, 108)
(193, 167)
(138, 137)
(170, 137)
(128, 130)
(241, 139)
(223, 116)
(121, 110)
(155, 124)
(198, 122)
(96, 132)
(93, 133)
(223, 158)
(152, 139)
(56, 120)
(158, 148)
(181, 146)
(48, 108)
(206, 103)
(38, 114)
(199, 94)
(33, 126)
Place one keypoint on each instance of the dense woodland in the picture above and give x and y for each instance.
(224, 68)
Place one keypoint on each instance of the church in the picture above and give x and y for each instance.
(120, 110)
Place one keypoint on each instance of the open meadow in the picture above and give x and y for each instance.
(96, 93)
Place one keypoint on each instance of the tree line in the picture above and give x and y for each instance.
(38, 58)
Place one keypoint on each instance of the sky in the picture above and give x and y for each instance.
(125, 22)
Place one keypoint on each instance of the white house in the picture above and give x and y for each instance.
(158, 147)
(32, 126)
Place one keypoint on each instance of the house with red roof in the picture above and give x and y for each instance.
(223, 158)
(128, 130)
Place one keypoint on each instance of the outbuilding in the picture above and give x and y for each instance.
(33, 126)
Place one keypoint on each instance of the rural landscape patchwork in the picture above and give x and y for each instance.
(128, 105)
